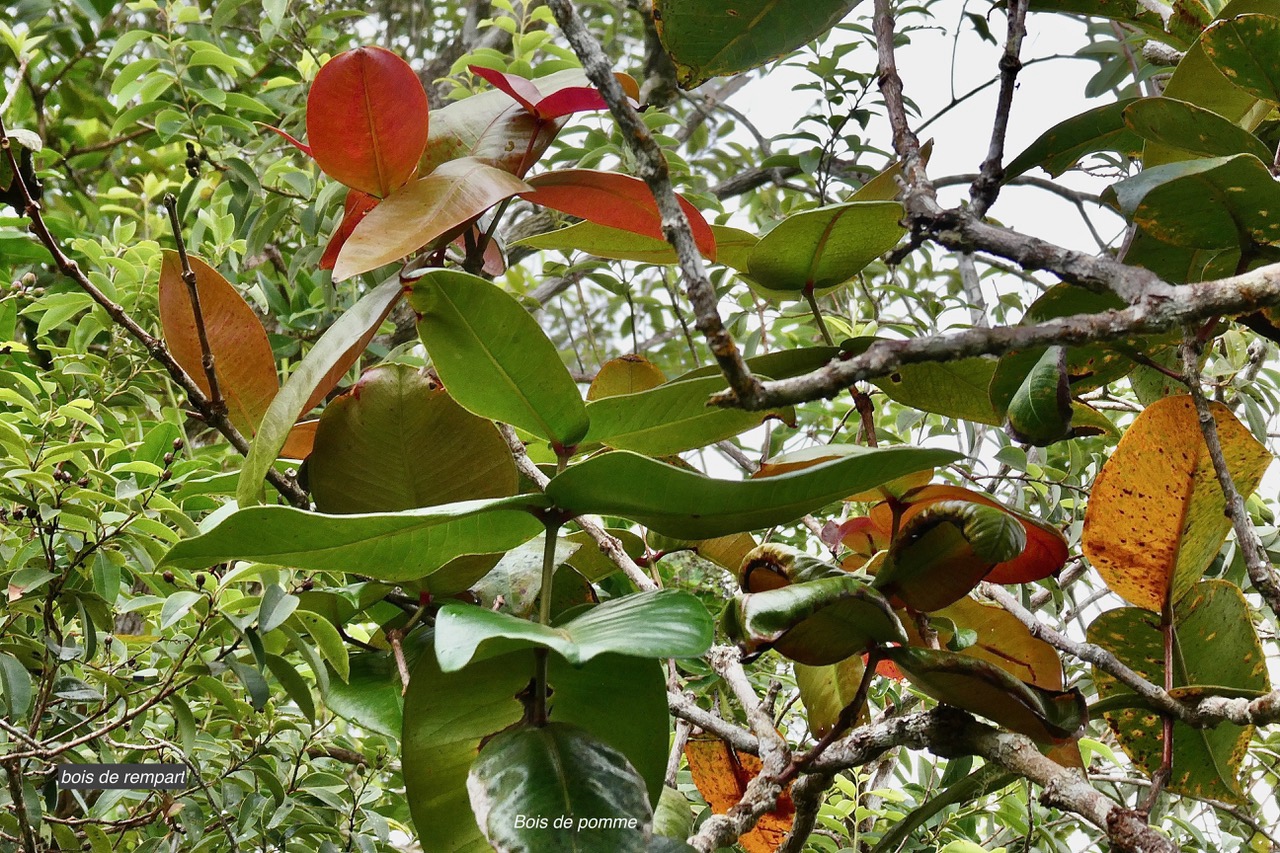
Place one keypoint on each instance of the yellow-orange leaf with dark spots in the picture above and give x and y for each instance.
(1156, 513)
(722, 774)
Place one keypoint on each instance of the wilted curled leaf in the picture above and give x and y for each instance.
(774, 565)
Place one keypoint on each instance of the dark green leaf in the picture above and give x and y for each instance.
(1061, 146)
(1244, 50)
(1040, 412)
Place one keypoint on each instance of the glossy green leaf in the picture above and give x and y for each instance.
(15, 687)
(177, 605)
(493, 357)
(332, 355)
(370, 697)
(620, 245)
(1040, 411)
(957, 389)
(944, 550)
(818, 622)
(1062, 146)
(422, 211)
(552, 771)
(1047, 716)
(327, 639)
(1215, 646)
(1244, 50)
(686, 505)
(1191, 129)
(386, 546)
(671, 418)
(826, 690)
(1207, 204)
(295, 686)
(621, 700)
(708, 39)
(662, 624)
(824, 248)
(397, 441)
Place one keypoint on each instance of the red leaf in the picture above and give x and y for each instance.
(615, 200)
(367, 120)
(301, 146)
(576, 99)
(423, 211)
(356, 207)
(242, 357)
(520, 89)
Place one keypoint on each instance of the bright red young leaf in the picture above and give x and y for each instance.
(289, 138)
(367, 120)
(615, 200)
(242, 359)
(571, 99)
(356, 207)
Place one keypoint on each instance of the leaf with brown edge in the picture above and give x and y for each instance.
(615, 200)
(1156, 518)
(1045, 552)
(242, 359)
(367, 120)
(1046, 716)
(418, 213)
(354, 209)
(628, 374)
(722, 774)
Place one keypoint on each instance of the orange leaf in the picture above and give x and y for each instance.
(722, 774)
(615, 200)
(1046, 550)
(242, 357)
(300, 440)
(354, 209)
(1156, 513)
(626, 374)
(367, 120)
(422, 211)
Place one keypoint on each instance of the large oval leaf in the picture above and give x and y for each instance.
(628, 374)
(418, 213)
(1191, 129)
(1156, 518)
(665, 623)
(242, 359)
(671, 418)
(367, 120)
(397, 441)
(1244, 50)
(1047, 716)
(494, 358)
(395, 546)
(687, 505)
(320, 369)
(1215, 645)
(823, 248)
(525, 780)
(615, 200)
(621, 700)
(1062, 146)
(708, 39)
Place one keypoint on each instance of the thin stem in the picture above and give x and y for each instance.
(817, 315)
(193, 291)
(538, 713)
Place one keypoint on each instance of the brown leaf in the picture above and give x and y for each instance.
(722, 774)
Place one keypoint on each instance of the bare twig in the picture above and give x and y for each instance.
(983, 191)
(193, 291)
(1255, 556)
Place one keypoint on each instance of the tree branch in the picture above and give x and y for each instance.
(984, 190)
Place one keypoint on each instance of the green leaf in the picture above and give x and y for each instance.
(980, 783)
(552, 772)
(686, 505)
(515, 582)
(327, 640)
(618, 244)
(177, 605)
(422, 211)
(493, 357)
(1244, 50)
(621, 700)
(1207, 204)
(15, 686)
(275, 607)
(671, 418)
(708, 39)
(826, 690)
(1040, 412)
(294, 685)
(319, 370)
(957, 389)
(1046, 716)
(1191, 129)
(673, 816)
(370, 696)
(817, 623)
(398, 441)
(1215, 647)
(823, 248)
(661, 624)
(1061, 146)
(386, 546)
